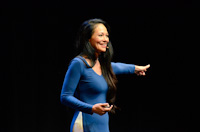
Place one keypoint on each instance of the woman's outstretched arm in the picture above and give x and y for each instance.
(122, 68)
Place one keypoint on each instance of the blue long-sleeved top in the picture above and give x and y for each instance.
(83, 87)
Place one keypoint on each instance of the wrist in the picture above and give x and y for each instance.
(136, 68)
(93, 109)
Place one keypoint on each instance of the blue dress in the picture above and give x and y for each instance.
(82, 88)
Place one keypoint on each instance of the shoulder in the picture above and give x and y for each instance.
(76, 63)
(76, 60)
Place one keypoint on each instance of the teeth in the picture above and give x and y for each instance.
(103, 44)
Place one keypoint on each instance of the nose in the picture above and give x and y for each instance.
(106, 39)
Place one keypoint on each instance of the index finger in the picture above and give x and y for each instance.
(104, 104)
(108, 109)
(147, 66)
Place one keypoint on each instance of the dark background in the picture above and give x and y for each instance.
(37, 44)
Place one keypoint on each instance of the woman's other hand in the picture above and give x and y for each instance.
(101, 108)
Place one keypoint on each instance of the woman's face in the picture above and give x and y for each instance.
(99, 38)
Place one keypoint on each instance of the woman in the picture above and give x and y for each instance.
(90, 83)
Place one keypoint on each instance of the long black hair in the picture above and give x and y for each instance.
(84, 48)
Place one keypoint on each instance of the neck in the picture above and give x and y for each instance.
(97, 55)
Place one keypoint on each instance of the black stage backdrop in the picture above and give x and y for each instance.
(37, 44)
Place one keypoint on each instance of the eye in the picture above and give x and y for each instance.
(100, 35)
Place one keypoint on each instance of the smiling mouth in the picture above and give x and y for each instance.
(103, 45)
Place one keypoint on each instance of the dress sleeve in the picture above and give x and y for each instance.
(70, 84)
(122, 68)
